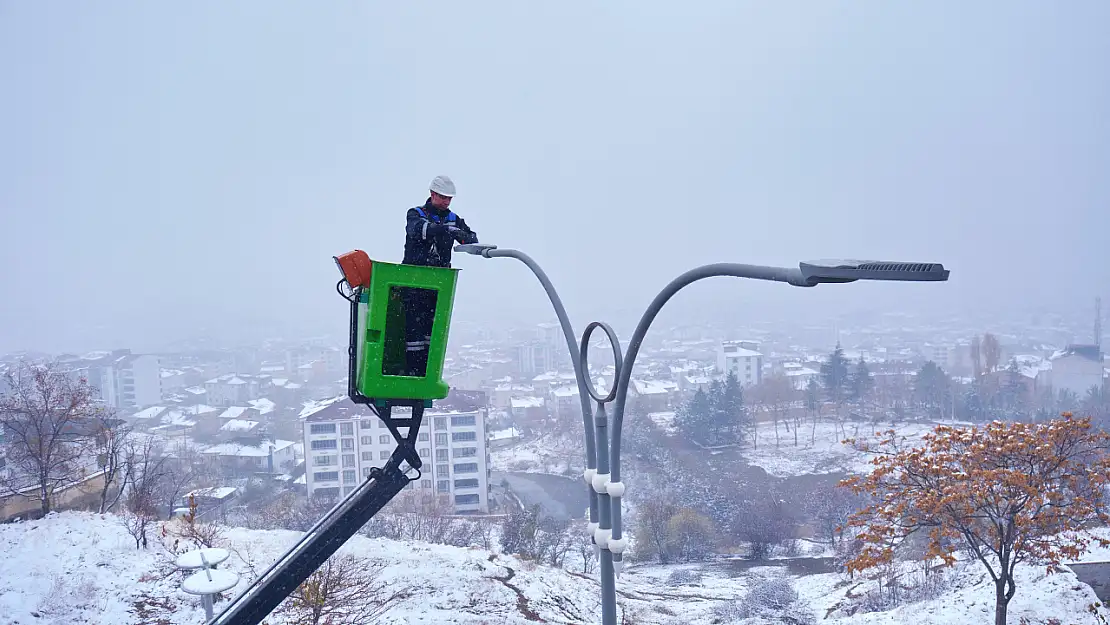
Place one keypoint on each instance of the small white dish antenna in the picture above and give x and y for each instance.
(208, 581)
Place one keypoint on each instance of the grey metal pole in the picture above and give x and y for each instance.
(605, 522)
(599, 480)
(615, 543)
(580, 374)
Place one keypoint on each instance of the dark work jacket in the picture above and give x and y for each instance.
(427, 241)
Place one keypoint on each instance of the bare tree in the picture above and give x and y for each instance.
(992, 352)
(420, 515)
(895, 395)
(344, 591)
(520, 532)
(487, 533)
(652, 527)
(763, 523)
(145, 468)
(829, 508)
(300, 514)
(812, 403)
(111, 437)
(584, 547)
(776, 396)
(184, 471)
(194, 534)
(554, 541)
(45, 416)
(691, 536)
(976, 357)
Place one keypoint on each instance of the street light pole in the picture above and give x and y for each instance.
(604, 475)
(608, 493)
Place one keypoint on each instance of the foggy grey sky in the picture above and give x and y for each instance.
(171, 168)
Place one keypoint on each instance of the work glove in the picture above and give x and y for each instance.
(460, 235)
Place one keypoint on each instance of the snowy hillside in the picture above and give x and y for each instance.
(83, 568)
(548, 453)
(820, 449)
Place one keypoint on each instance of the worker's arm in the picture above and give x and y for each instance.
(463, 233)
(422, 227)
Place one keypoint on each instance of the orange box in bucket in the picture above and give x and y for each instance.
(355, 267)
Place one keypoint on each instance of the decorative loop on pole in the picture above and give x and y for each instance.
(584, 364)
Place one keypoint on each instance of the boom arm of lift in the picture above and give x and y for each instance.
(344, 519)
(315, 547)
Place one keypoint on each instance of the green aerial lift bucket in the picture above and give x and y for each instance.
(380, 345)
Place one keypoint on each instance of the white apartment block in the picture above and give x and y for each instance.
(343, 441)
(741, 358)
(535, 358)
(120, 379)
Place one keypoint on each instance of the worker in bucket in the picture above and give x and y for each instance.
(430, 233)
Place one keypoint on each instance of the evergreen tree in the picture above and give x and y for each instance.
(834, 374)
(716, 418)
(1013, 392)
(931, 388)
(974, 407)
(861, 382)
(731, 409)
(693, 417)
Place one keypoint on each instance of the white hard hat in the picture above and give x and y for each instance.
(443, 186)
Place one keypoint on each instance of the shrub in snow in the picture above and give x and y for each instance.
(769, 600)
(520, 532)
(776, 593)
(900, 583)
(669, 532)
(345, 590)
(68, 595)
(763, 523)
(683, 577)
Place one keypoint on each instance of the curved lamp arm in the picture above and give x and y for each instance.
(755, 272)
(492, 251)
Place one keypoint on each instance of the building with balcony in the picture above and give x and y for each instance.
(343, 441)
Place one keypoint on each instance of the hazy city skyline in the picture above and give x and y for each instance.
(172, 170)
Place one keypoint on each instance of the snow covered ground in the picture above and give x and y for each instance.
(826, 453)
(548, 453)
(83, 568)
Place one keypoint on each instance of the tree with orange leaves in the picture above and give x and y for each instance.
(1007, 493)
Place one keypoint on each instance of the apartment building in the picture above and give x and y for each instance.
(535, 357)
(119, 378)
(343, 441)
(742, 359)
